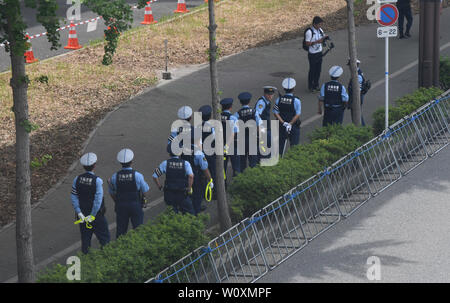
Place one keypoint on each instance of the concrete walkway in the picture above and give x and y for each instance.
(405, 228)
(143, 123)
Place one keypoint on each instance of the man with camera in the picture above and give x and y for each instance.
(314, 37)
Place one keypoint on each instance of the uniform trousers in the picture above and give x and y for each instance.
(99, 228)
(293, 136)
(333, 115)
(179, 201)
(198, 191)
(128, 211)
(235, 161)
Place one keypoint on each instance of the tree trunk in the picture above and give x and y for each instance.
(356, 95)
(19, 84)
(224, 216)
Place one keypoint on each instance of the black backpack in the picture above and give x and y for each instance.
(365, 86)
(306, 47)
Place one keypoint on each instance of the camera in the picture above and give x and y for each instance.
(328, 43)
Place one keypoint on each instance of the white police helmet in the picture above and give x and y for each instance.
(288, 83)
(336, 71)
(125, 155)
(184, 112)
(88, 159)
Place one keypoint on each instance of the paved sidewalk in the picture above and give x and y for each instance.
(143, 123)
(405, 227)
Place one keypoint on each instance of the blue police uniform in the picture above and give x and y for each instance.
(245, 114)
(288, 106)
(334, 96)
(226, 117)
(361, 80)
(176, 183)
(87, 198)
(198, 163)
(263, 109)
(128, 185)
(208, 133)
(175, 133)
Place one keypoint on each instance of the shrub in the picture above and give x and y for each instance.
(405, 106)
(444, 73)
(140, 254)
(256, 187)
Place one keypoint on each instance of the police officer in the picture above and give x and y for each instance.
(245, 114)
(208, 139)
(178, 183)
(199, 165)
(287, 110)
(128, 188)
(263, 109)
(87, 199)
(229, 122)
(333, 96)
(184, 113)
(361, 80)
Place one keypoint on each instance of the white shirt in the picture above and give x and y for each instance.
(309, 37)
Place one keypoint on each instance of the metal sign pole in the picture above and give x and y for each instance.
(386, 82)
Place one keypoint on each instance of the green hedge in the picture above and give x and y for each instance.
(404, 106)
(140, 254)
(444, 73)
(256, 187)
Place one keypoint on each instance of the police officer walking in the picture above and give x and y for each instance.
(199, 165)
(245, 114)
(287, 110)
(263, 109)
(127, 188)
(184, 113)
(178, 183)
(87, 199)
(333, 96)
(229, 122)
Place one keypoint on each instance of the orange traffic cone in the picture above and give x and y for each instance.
(29, 56)
(148, 18)
(181, 7)
(73, 39)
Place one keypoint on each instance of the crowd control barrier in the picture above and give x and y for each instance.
(251, 248)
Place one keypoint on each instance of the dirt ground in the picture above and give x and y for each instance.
(80, 91)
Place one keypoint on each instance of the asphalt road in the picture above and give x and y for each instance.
(405, 229)
(41, 47)
(143, 123)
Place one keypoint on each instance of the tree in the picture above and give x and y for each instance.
(224, 216)
(118, 17)
(356, 96)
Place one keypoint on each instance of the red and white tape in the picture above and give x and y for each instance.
(74, 24)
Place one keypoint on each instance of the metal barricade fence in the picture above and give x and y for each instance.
(280, 230)
(196, 267)
(237, 255)
(251, 248)
(350, 184)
